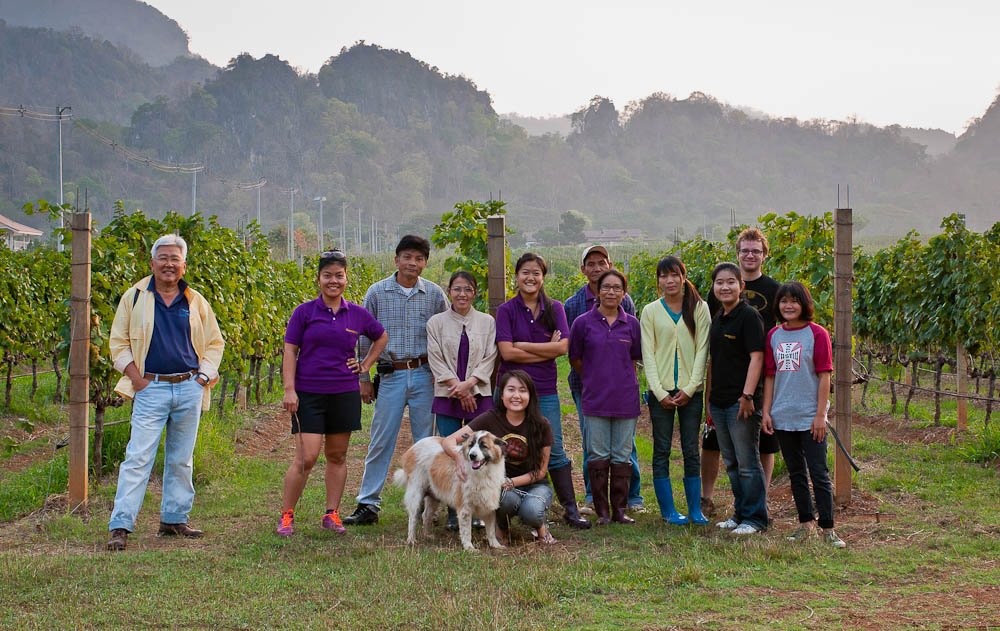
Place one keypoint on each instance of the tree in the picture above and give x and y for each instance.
(572, 223)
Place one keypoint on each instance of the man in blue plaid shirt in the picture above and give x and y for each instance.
(596, 261)
(402, 303)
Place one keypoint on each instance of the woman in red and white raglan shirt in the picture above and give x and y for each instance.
(798, 361)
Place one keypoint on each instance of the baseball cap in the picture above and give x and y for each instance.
(594, 248)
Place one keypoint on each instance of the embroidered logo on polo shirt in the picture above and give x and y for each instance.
(729, 336)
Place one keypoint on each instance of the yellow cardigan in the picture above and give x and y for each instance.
(132, 332)
(661, 338)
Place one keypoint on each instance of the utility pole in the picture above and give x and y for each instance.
(194, 191)
(320, 199)
(59, 112)
(291, 223)
(258, 205)
(343, 226)
(359, 231)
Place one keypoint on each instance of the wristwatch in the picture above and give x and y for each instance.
(748, 397)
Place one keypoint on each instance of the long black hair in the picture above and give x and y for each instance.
(533, 419)
(691, 296)
(547, 318)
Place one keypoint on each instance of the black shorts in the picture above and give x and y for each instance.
(768, 443)
(327, 413)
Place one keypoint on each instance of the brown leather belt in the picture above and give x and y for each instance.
(410, 363)
(174, 378)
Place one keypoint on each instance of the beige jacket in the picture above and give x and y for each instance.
(132, 332)
(444, 332)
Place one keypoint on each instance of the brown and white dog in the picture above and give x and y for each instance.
(429, 476)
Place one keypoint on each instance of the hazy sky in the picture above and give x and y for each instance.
(916, 63)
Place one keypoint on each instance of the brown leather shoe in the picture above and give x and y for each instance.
(118, 540)
(184, 530)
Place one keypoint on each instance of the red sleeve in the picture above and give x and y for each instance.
(770, 367)
(822, 349)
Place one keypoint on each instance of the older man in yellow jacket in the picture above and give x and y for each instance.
(166, 342)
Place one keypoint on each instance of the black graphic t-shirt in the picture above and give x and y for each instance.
(496, 423)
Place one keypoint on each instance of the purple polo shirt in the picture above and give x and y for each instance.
(326, 340)
(516, 324)
(609, 353)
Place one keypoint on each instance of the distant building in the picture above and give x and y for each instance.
(616, 236)
(17, 236)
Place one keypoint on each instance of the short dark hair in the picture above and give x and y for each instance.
(800, 294)
(466, 275)
(613, 272)
(331, 257)
(726, 266)
(413, 242)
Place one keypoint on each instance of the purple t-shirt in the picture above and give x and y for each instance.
(515, 323)
(449, 406)
(609, 353)
(326, 340)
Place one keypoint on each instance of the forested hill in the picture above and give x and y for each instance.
(138, 26)
(40, 66)
(377, 130)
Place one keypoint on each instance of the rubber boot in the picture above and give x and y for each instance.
(599, 475)
(621, 479)
(692, 491)
(562, 481)
(665, 498)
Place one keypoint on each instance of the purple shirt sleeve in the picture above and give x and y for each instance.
(822, 349)
(770, 367)
(504, 325)
(559, 316)
(372, 328)
(295, 327)
(576, 336)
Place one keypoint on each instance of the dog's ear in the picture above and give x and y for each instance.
(502, 444)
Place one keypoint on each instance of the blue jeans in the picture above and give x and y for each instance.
(176, 407)
(738, 444)
(402, 388)
(635, 487)
(689, 425)
(611, 438)
(549, 404)
(527, 502)
(447, 425)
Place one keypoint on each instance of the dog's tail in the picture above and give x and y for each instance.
(399, 478)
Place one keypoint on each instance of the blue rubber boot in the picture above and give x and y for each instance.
(665, 498)
(692, 491)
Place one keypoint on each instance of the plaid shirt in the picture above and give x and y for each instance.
(403, 317)
(578, 304)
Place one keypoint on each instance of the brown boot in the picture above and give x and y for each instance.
(118, 541)
(562, 483)
(184, 530)
(621, 478)
(599, 471)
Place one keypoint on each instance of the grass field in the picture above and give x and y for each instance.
(923, 536)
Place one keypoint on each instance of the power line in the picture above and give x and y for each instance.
(128, 154)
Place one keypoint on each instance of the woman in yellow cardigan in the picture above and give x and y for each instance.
(674, 355)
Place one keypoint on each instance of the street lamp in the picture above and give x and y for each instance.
(59, 112)
(320, 200)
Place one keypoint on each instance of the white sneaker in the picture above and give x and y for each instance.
(745, 529)
(831, 538)
(729, 524)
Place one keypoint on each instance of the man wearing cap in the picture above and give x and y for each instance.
(594, 262)
(167, 344)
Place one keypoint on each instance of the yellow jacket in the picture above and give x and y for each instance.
(662, 340)
(132, 332)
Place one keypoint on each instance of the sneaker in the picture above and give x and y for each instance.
(745, 529)
(587, 508)
(118, 541)
(804, 532)
(331, 521)
(286, 527)
(363, 515)
(478, 524)
(830, 537)
(637, 509)
(729, 524)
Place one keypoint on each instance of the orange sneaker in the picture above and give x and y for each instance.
(331, 521)
(286, 527)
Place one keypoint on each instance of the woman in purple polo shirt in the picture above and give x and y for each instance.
(531, 333)
(462, 352)
(320, 375)
(604, 345)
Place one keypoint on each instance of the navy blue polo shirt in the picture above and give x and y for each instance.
(170, 349)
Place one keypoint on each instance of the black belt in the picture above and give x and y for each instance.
(176, 377)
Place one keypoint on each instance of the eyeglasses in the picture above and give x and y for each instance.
(746, 252)
(462, 290)
(335, 255)
(162, 258)
(612, 289)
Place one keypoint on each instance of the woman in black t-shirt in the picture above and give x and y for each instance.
(517, 419)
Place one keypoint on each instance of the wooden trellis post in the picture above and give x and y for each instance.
(496, 248)
(79, 360)
(843, 307)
